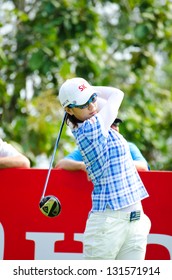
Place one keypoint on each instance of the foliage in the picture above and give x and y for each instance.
(126, 44)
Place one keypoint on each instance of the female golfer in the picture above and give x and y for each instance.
(117, 227)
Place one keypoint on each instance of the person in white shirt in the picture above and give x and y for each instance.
(11, 158)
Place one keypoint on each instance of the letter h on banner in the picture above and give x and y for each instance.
(44, 246)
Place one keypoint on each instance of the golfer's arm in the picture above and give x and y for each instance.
(112, 98)
(69, 164)
(18, 161)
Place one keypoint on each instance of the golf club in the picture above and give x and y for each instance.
(50, 205)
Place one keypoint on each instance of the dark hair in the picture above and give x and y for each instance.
(73, 120)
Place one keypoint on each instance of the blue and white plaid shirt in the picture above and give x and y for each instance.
(109, 166)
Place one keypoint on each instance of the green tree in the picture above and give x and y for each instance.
(119, 43)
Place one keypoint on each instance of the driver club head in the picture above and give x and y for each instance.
(50, 206)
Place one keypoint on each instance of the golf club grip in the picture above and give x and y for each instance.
(53, 155)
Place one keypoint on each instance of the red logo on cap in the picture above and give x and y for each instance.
(82, 87)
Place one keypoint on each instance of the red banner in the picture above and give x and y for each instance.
(26, 234)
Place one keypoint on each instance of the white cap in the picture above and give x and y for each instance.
(75, 91)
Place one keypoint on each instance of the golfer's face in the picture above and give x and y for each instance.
(84, 113)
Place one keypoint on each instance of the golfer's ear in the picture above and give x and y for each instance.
(69, 111)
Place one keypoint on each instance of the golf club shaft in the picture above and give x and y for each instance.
(53, 155)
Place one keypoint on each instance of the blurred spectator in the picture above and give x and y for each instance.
(11, 158)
